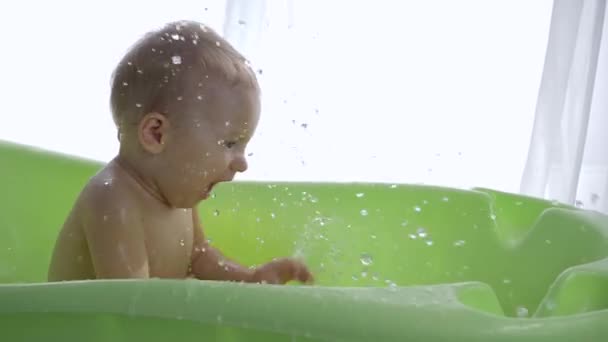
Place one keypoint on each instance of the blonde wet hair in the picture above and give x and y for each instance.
(166, 70)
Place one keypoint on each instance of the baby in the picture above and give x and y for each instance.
(186, 104)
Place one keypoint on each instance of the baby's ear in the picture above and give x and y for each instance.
(153, 132)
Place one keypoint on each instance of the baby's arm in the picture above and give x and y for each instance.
(208, 263)
(115, 237)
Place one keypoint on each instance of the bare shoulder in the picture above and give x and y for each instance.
(107, 190)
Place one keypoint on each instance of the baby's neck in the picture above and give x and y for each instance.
(137, 171)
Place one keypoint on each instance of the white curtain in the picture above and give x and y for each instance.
(568, 154)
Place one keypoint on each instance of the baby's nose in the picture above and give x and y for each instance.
(239, 164)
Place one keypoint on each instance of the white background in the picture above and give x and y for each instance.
(435, 92)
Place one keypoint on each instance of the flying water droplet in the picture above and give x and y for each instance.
(412, 236)
(366, 259)
(459, 243)
(404, 223)
(360, 194)
(417, 209)
(182, 242)
(445, 199)
(216, 212)
(421, 232)
(429, 242)
(363, 212)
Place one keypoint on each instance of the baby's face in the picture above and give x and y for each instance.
(210, 148)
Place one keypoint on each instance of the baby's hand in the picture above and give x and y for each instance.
(281, 271)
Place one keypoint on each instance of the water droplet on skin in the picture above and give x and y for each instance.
(79, 259)
(124, 84)
(227, 123)
(421, 232)
(363, 212)
(176, 59)
(179, 98)
(182, 242)
(216, 212)
(429, 242)
(360, 194)
(217, 44)
(105, 217)
(521, 312)
(417, 209)
(366, 259)
(138, 105)
(459, 243)
(175, 36)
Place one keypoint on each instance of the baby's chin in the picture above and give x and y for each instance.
(206, 193)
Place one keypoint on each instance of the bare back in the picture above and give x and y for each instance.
(116, 229)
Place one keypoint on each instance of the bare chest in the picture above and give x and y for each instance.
(169, 238)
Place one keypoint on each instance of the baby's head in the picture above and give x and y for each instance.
(186, 104)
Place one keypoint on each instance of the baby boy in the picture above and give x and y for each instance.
(186, 104)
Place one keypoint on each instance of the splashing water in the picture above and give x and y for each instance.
(366, 259)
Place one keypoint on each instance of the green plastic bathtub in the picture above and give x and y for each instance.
(392, 263)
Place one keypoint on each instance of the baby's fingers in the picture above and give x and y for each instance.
(303, 275)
